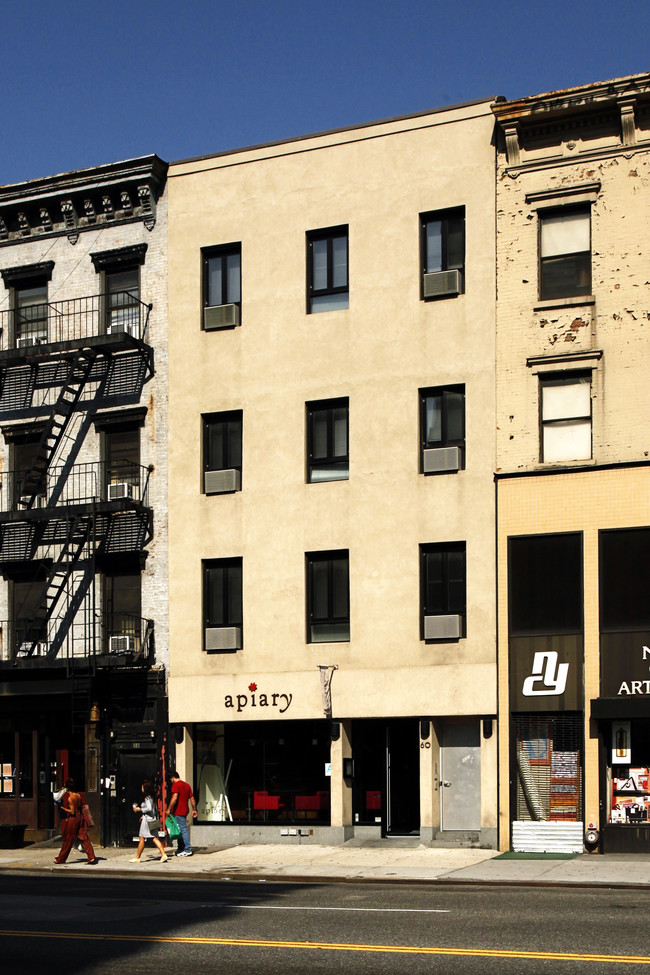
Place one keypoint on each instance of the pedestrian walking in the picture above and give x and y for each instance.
(73, 825)
(149, 815)
(179, 807)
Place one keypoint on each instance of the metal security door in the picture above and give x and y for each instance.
(460, 795)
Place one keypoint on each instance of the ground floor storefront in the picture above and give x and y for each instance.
(330, 780)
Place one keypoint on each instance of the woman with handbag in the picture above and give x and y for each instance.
(73, 825)
(148, 809)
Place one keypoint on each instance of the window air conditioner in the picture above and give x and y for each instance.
(120, 490)
(443, 627)
(26, 341)
(39, 502)
(40, 649)
(120, 644)
(131, 328)
(221, 482)
(223, 638)
(220, 316)
(436, 460)
(436, 284)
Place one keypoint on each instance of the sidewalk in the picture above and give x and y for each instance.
(388, 862)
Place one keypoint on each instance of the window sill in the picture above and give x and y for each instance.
(565, 302)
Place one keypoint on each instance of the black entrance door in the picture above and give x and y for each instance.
(387, 775)
(133, 768)
(402, 778)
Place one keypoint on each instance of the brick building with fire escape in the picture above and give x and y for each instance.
(83, 566)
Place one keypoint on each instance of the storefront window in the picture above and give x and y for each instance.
(548, 763)
(262, 772)
(7, 762)
(629, 772)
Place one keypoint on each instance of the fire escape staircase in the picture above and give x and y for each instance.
(81, 366)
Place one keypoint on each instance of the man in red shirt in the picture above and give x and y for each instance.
(179, 807)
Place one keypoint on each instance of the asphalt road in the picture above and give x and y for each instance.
(148, 927)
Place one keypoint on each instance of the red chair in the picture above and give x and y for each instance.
(317, 803)
(373, 799)
(262, 800)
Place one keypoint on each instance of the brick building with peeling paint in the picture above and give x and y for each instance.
(573, 465)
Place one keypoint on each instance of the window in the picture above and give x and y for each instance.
(443, 253)
(545, 584)
(442, 582)
(566, 416)
(25, 482)
(624, 570)
(28, 295)
(328, 597)
(564, 253)
(122, 609)
(123, 301)
(327, 269)
(222, 604)
(222, 452)
(221, 286)
(327, 440)
(442, 429)
(122, 462)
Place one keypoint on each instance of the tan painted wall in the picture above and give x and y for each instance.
(376, 179)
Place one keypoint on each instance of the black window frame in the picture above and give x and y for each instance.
(444, 218)
(222, 252)
(448, 603)
(624, 579)
(332, 461)
(329, 234)
(232, 423)
(231, 584)
(546, 584)
(322, 624)
(551, 290)
(446, 439)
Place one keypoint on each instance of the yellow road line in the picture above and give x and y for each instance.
(335, 946)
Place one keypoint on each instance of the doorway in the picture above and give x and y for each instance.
(387, 775)
(133, 768)
(460, 762)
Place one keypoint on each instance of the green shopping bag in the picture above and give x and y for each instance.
(172, 828)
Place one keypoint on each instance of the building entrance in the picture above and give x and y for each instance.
(387, 775)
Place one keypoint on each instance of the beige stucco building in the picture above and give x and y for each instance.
(573, 481)
(331, 492)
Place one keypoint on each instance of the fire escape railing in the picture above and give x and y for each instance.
(118, 638)
(74, 319)
(76, 484)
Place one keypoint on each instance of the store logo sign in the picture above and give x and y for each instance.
(637, 686)
(254, 700)
(548, 677)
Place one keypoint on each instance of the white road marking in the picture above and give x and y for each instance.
(354, 910)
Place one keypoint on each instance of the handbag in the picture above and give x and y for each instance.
(172, 827)
(86, 816)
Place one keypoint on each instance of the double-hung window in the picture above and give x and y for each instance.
(442, 429)
(327, 440)
(28, 286)
(566, 416)
(222, 604)
(442, 586)
(564, 252)
(221, 286)
(222, 452)
(327, 269)
(123, 301)
(442, 247)
(328, 597)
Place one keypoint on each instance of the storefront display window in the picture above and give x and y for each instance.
(629, 773)
(262, 772)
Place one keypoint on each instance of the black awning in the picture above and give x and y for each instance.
(632, 706)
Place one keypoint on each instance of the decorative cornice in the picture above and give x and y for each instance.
(134, 255)
(72, 203)
(26, 272)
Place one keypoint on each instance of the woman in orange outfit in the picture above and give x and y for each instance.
(73, 825)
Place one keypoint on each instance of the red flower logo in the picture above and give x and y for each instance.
(252, 687)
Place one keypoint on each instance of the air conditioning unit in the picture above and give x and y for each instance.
(120, 490)
(220, 316)
(437, 284)
(40, 501)
(130, 328)
(437, 460)
(223, 638)
(120, 644)
(27, 341)
(221, 482)
(443, 627)
(40, 649)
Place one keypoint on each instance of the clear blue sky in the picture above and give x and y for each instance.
(92, 81)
